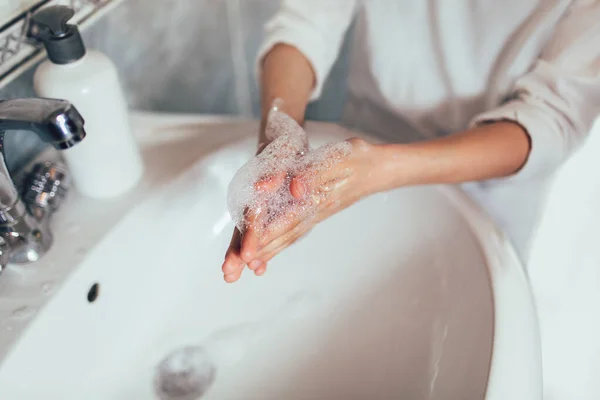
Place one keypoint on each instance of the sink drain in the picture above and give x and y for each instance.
(185, 374)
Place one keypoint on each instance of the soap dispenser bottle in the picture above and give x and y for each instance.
(108, 162)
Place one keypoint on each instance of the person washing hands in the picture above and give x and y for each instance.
(498, 92)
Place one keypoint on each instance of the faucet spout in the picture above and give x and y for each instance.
(24, 230)
(56, 122)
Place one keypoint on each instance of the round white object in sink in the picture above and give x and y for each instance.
(411, 294)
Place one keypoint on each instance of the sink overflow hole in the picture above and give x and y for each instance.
(93, 293)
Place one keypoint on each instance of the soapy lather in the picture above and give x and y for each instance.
(250, 197)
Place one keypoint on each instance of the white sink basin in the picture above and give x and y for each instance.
(388, 299)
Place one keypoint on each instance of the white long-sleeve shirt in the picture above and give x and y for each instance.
(426, 68)
(442, 65)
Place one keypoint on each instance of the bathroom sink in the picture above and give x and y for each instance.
(412, 294)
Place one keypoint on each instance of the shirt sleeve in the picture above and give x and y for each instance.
(315, 28)
(559, 99)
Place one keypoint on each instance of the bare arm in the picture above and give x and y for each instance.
(286, 74)
(484, 152)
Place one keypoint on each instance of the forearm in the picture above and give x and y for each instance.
(488, 151)
(287, 75)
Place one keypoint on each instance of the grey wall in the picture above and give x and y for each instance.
(192, 56)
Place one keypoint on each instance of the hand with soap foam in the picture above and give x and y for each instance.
(285, 190)
(325, 190)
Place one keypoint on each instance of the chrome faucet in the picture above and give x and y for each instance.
(24, 220)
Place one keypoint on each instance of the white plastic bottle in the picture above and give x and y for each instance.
(107, 162)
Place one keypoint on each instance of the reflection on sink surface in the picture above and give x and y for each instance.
(388, 299)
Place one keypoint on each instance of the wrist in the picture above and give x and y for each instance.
(391, 166)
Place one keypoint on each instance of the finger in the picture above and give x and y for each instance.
(298, 229)
(232, 268)
(270, 183)
(233, 250)
(256, 231)
(324, 181)
(275, 251)
(279, 244)
(233, 265)
(250, 243)
(287, 239)
(261, 271)
(290, 220)
(298, 188)
(277, 229)
(289, 223)
(255, 264)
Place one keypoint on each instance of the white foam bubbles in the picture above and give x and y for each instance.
(261, 188)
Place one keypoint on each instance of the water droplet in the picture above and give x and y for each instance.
(23, 312)
(8, 328)
(47, 287)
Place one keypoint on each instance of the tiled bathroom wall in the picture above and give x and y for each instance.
(190, 56)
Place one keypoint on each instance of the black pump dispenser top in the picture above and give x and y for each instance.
(63, 42)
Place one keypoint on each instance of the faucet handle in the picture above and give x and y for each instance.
(46, 186)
